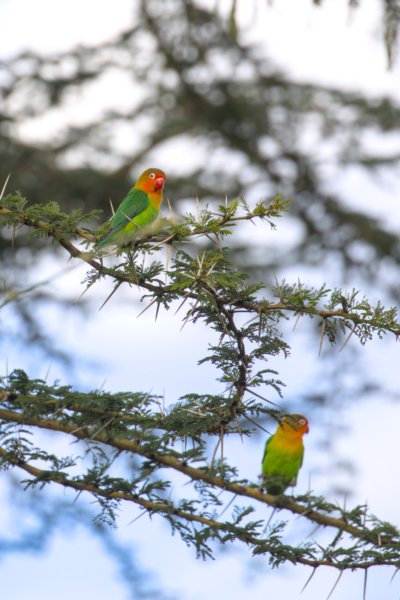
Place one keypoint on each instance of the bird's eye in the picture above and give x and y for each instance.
(302, 421)
(152, 175)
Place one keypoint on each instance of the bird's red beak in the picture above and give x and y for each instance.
(160, 183)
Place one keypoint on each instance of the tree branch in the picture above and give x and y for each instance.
(194, 474)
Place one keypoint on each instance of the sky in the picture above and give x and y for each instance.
(331, 46)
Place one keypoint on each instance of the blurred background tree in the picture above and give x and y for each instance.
(184, 87)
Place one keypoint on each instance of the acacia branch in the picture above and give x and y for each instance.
(168, 509)
(258, 308)
(159, 291)
(170, 461)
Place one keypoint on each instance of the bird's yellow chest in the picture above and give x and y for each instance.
(155, 200)
(286, 444)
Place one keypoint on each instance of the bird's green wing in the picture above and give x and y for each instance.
(280, 466)
(281, 461)
(132, 205)
(266, 449)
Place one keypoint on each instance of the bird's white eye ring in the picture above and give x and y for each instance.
(152, 175)
(302, 421)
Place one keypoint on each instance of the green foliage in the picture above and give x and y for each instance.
(185, 442)
(47, 219)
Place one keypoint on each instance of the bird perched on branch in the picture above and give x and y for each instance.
(283, 454)
(138, 209)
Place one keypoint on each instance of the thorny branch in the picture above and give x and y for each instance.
(259, 308)
(219, 296)
(170, 461)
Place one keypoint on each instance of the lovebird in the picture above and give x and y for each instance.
(138, 209)
(283, 454)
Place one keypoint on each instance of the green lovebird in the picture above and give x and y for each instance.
(283, 454)
(138, 209)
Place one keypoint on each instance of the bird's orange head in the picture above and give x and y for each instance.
(295, 423)
(151, 181)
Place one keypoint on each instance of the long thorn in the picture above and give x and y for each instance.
(261, 397)
(215, 453)
(321, 341)
(222, 450)
(48, 371)
(346, 340)
(77, 496)
(365, 584)
(138, 517)
(110, 295)
(147, 307)
(297, 320)
(167, 258)
(197, 209)
(4, 186)
(334, 585)
(157, 311)
(308, 580)
(112, 206)
(256, 424)
(170, 209)
(102, 427)
(84, 291)
(227, 506)
(270, 519)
